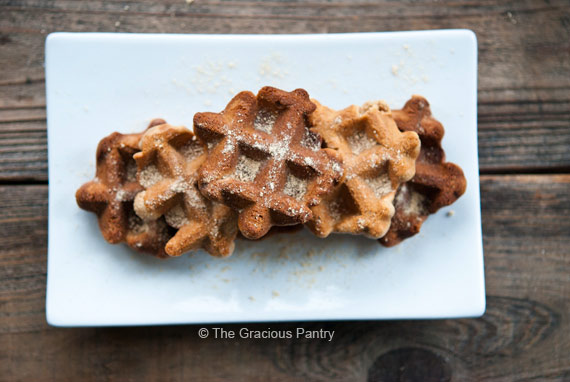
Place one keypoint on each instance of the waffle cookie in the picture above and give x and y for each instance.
(111, 194)
(167, 168)
(376, 158)
(436, 184)
(263, 161)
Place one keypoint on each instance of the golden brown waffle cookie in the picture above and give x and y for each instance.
(148, 236)
(167, 167)
(436, 184)
(376, 158)
(110, 196)
(263, 161)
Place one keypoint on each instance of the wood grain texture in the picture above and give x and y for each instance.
(524, 335)
(524, 70)
(524, 127)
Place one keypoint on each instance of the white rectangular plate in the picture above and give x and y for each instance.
(100, 83)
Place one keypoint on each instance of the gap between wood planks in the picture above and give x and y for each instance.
(546, 171)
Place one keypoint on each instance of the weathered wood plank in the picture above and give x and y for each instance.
(511, 52)
(23, 93)
(524, 76)
(524, 128)
(524, 335)
(23, 150)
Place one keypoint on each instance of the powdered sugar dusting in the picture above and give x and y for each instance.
(295, 187)
(229, 146)
(176, 217)
(280, 149)
(400, 198)
(416, 204)
(310, 141)
(265, 120)
(120, 195)
(337, 168)
(380, 185)
(194, 199)
(149, 176)
(246, 169)
(335, 209)
(309, 162)
(191, 150)
(179, 186)
(215, 230)
(131, 171)
(360, 142)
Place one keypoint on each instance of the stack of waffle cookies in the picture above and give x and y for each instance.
(271, 160)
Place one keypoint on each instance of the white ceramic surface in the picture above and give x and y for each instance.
(100, 83)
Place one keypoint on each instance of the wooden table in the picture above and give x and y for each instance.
(524, 148)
